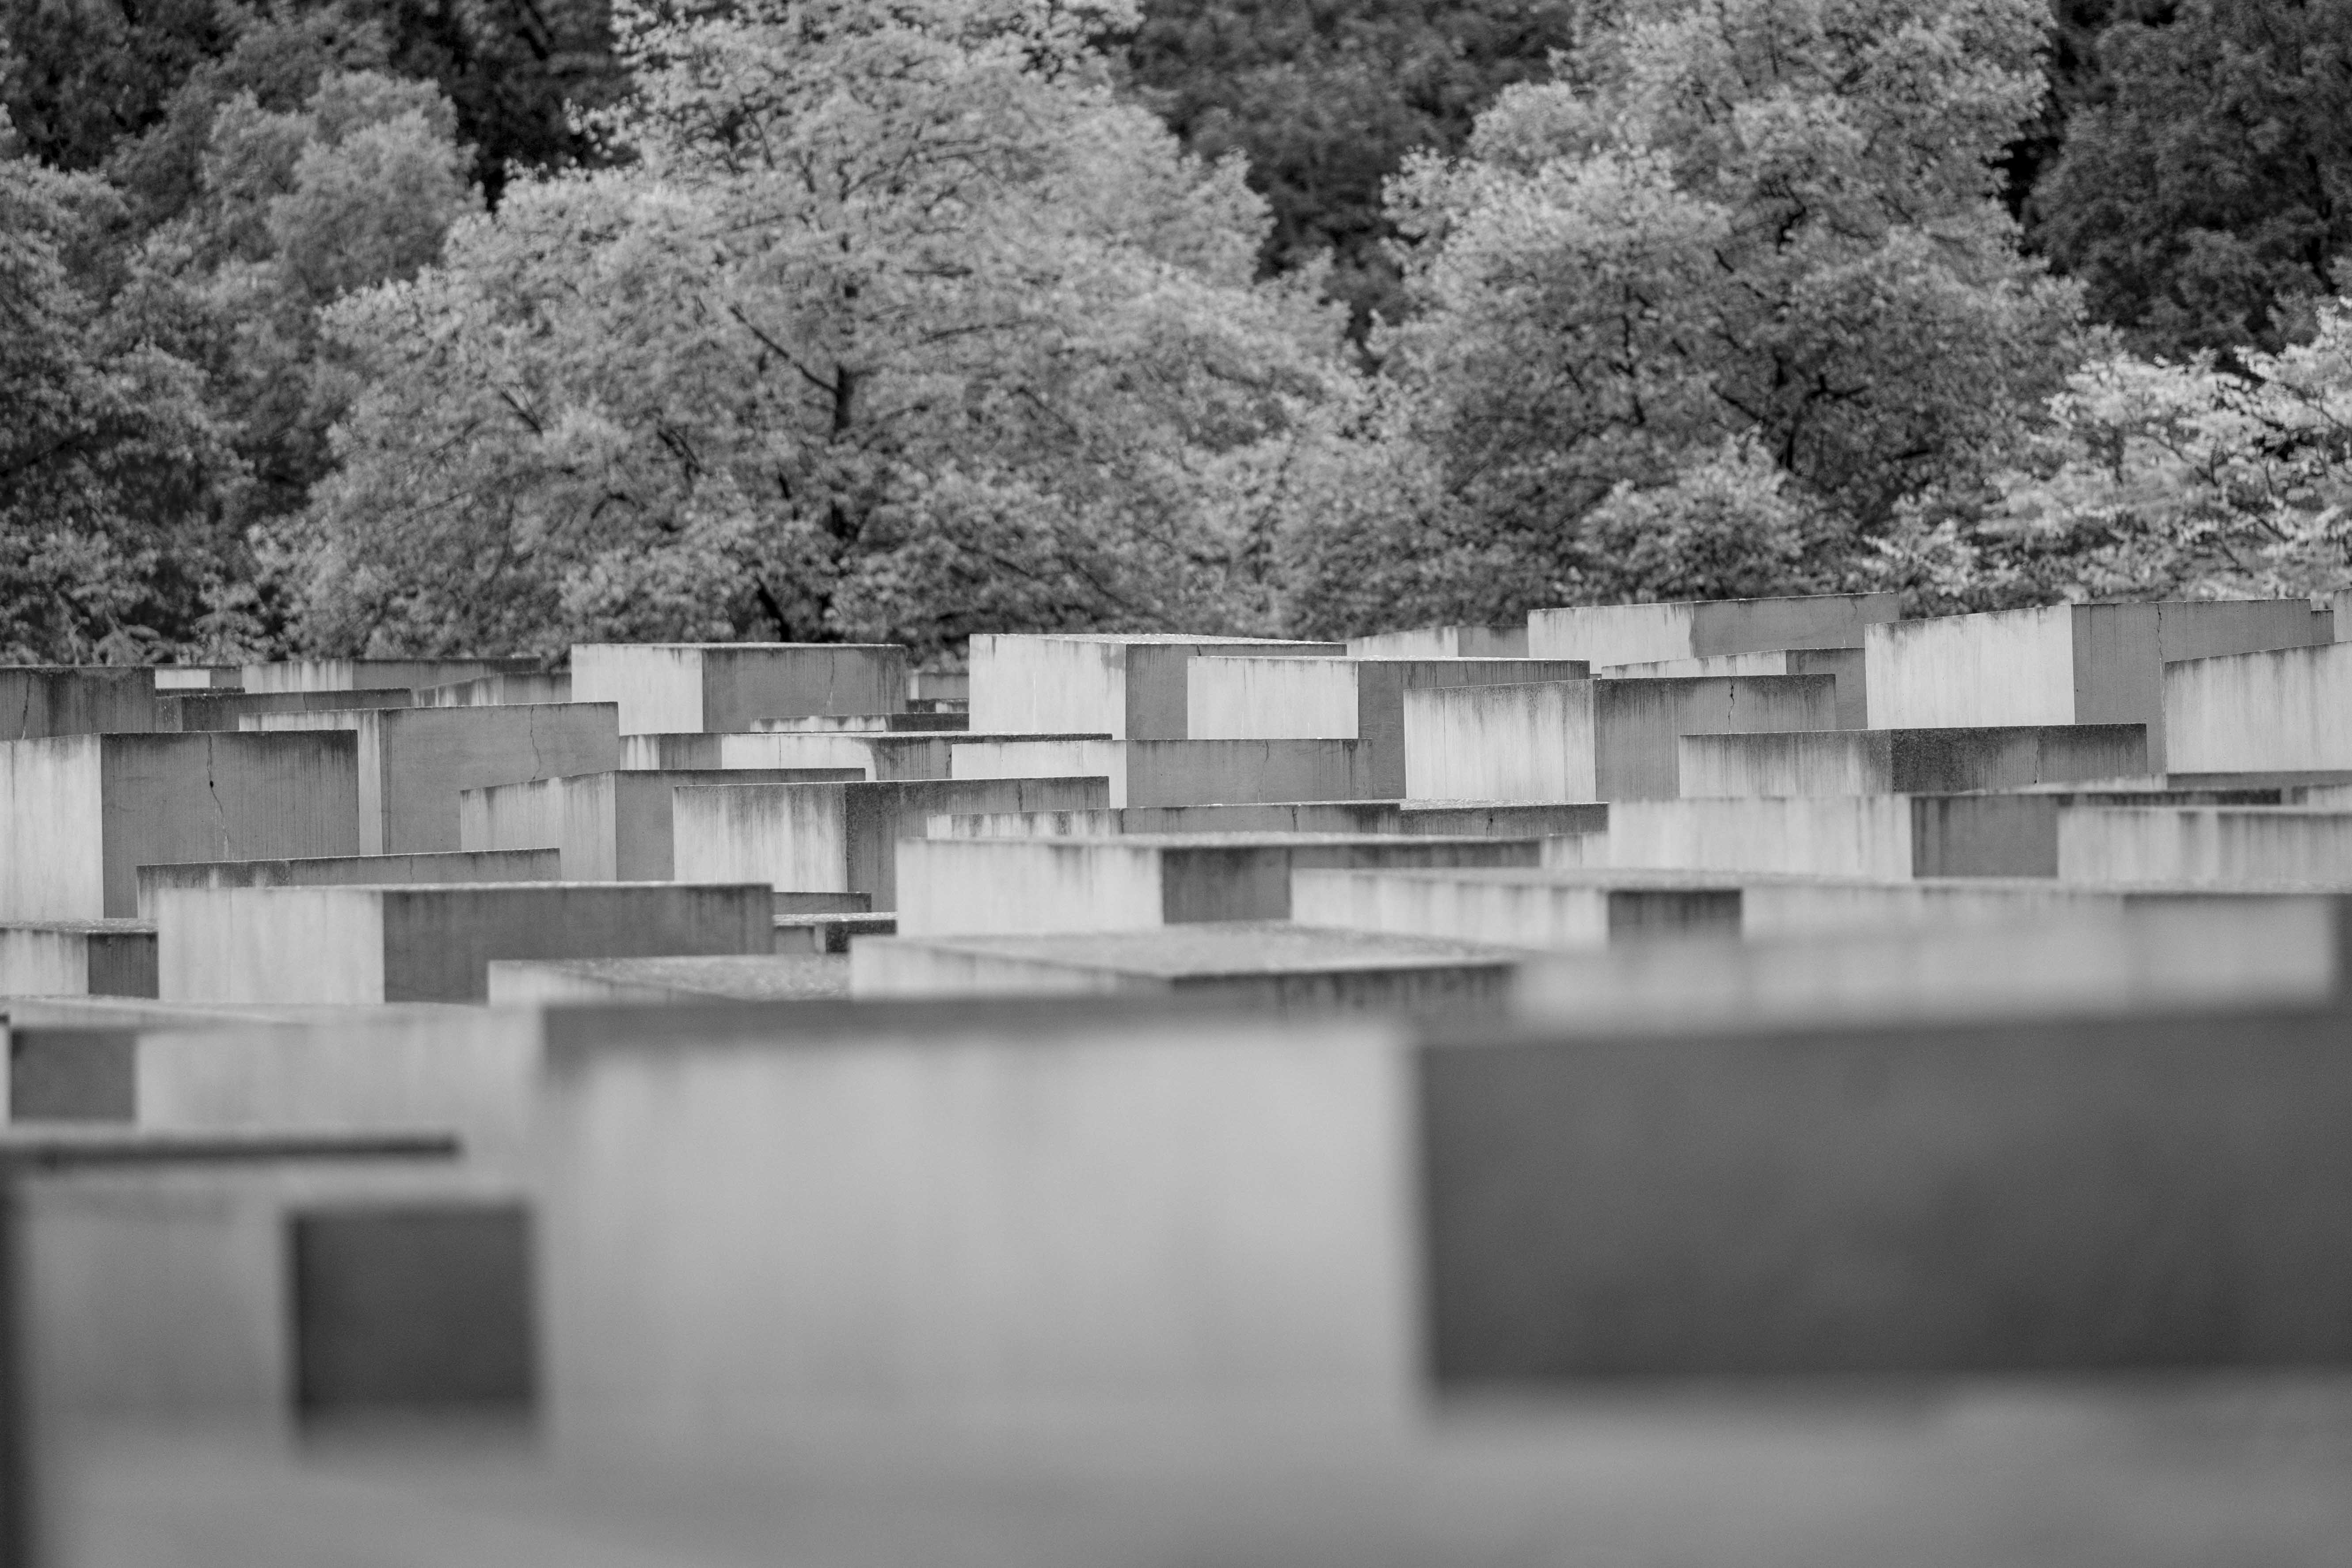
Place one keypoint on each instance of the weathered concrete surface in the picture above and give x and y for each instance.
(494, 690)
(1183, 772)
(1443, 642)
(2284, 711)
(79, 815)
(1636, 634)
(2063, 664)
(199, 678)
(1590, 740)
(414, 762)
(1129, 688)
(1887, 836)
(862, 724)
(1268, 964)
(430, 943)
(377, 674)
(2158, 1190)
(350, 870)
(1845, 665)
(612, 826)
(1444, 819)
(717, 687)
(225, 710)
(2204, 845)
(37, 702)
(1014, 885)
(1912, 762)
(78, 958)
(869, 755)
(938, 685)
(823, 837)
(552, 982)
(802, 934)
(1241, 698)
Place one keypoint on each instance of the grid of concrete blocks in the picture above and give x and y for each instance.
(1763, 1082)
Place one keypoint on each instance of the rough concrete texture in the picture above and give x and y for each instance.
(1443, 642)
(823, 837)
(376, 674)
(1184, 773)
(1129, 688)
(199, 678)
(1340, 699)
(1008, 885)
(423, 943)
(1590, 740)
(226, 709)
(2202, 845)
(718, 688)
(1247, 816)
(1271, 964)
(2062, 664)
(794, 1201)
(571, 981)
(2020, 1196)
(884, 756)
(37, 702)
(2284, 711)
(1845, 665)
(1635, 634)
(1911, 761)
(348, 871)
(611, 826)
(862, 724)
(78, 958)
(79, 815)
(835, 933)
(495, 690)
(414, 762)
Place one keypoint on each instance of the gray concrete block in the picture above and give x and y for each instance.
(79, 815)
(495, 691)
(1912, 762)
(426, 943)
(1127, 688)
(1183, 772)
(799, 934)
(612, 826)
(225, 710)
(415, 762)
(2282, 711)
(78, 958)
(2204, 845)
(71, 1074)
(1847, 665)
(715, 687)
(1590, 740)
(1634, 634)
(37, 702)
(869, 755)
(1008, 885)
(814, 976)
(821, 837)
(350, 870)
(199, 678)
(376, 674)
(862, 724)
(1443, 642)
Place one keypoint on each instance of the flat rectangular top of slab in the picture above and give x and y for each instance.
(1234, 947)
(751, 978)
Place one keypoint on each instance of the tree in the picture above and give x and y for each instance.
(2205, 202)
(1770, 223)
(899, 325)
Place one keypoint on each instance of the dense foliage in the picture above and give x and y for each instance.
(431, 324)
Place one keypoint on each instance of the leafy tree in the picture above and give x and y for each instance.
(2204, 203)
(1760, 222)
(900, 324)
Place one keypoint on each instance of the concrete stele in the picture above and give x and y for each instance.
(2286, 710)
(1636, 634)
(1911, 761)
(1183, 772)
(1129, 688)
(2218, 847)
(718, 688)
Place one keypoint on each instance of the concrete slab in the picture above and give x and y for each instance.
(1590, 740)
(1913, 762)
(37, 702)
(78, 958)
(81, 813)
(2063, 664)
(822, 838)
(226, 710)
(497, 690)
(1633, 633)
(1127, 688)
(415, 762)
(938, 685)
(1182, 773)
(613, 827)
(1442, 818)
(862, 724)
(1845, 665)
(546, 983)
(1242, 698)
(714, 687)
(1443, 642)
(1272, 964)
(802, 934)
(1140, 881)
(199, 678)
(347, 870)
(376, 674)
(2215, 845)
(883, 756)
(2280, 711)
(430, 943)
